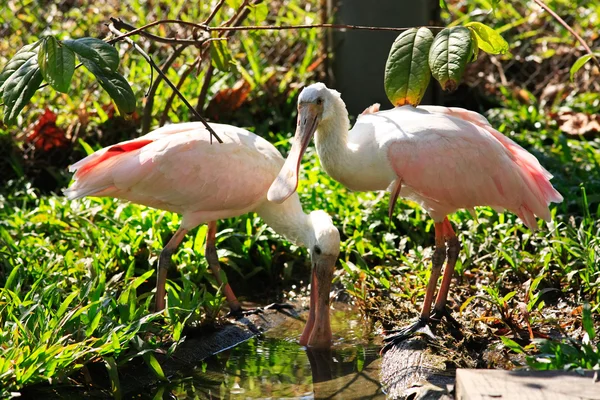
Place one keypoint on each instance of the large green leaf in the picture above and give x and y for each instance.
(488, 39)
(20, 57)
(105, 56)
(407, 71)
(450, 52)
(57, 64)
(117, 86)
(19, 88)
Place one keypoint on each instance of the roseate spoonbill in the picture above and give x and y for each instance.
(176, 168)
(444, 159)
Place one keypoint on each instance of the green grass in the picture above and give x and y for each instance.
(77, 277)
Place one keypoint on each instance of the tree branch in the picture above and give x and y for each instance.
(567, 27)
(166, 79)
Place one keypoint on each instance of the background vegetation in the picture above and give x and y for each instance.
(77, 277)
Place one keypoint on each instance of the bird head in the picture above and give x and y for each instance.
(324, 251)
(315, 106)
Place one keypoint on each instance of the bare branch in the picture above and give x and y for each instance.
(567, 27)
(120, 24)
(147, 116)
(206, 28)
(166, 79)
(214, 12)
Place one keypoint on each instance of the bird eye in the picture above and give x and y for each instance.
(317, 250)
(319, 101)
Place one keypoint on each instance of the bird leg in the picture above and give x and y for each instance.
(422, 325)
(164, 260)
(440, 310)
(210, 252)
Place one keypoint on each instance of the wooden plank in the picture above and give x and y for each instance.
(479, 384)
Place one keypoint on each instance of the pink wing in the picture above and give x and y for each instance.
(460, 161)
(177, 169)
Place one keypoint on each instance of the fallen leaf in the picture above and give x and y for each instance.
(228, 100)
(45, 135)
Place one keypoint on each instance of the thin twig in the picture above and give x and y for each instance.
(232, 21)
(166, 79)
(312, 26)
(147, 117)
(213, 13)
(184, 76)
(567, 27)
(263, 27)
(204, 90)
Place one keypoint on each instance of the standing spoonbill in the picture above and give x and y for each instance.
(442, 158)
(176, 168)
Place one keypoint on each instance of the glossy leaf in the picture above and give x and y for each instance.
(105, 56)
(57, 64)
(20, 57)
(450, 52)
(115, 85)
(20, 87)
(488, 39)
(154, 365)
(407, 71)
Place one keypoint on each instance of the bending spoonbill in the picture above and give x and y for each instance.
(444, 159)
(176, 168)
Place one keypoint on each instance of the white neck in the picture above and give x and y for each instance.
(288, 219)
(331, 140)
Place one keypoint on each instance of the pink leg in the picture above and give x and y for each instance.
(437, 261)
(163, 266)
(453, 250)
(213, 261)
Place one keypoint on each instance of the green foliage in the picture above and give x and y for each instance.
(57, 63)
(53, 60)
(488, 39)
(406, 71)
(581, 61)
(415, 54)
(450, 52)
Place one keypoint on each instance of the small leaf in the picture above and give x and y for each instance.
(88, 149)
(105, 56)
(117, 87)
(20, 57)
(406, 71)
(154, 365)
(20, 87)
(488, 39)
(576, 66)
(65, 304)
(443, 5)
(587, 321)
(511, 344)
(57, 64)
(260, 12)
(220, 55)
(449, 55)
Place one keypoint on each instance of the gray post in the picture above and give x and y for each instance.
(359, 56)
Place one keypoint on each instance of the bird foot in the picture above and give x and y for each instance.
(241, 313)
(422, 326)
(453, 325)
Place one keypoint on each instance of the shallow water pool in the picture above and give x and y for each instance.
(274, 366)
